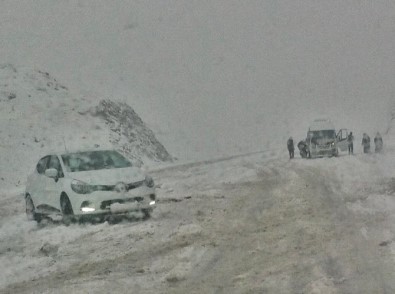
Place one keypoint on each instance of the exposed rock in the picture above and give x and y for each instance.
(129, 133)
(49, 249)
(11, 96)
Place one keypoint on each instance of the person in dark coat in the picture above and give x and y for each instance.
(350, 140)
(291, 147)
(366, 143)
(303, 149)
(378, 143)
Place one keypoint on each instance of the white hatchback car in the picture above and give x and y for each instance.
(88, 183)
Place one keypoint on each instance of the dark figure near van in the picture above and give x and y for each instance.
(350, 140)
(291, 147)
(303, 149)
(366, 143)
(378, 142)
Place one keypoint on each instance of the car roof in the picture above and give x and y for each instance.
(60, 153)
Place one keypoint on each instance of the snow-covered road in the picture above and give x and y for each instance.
(253, 224)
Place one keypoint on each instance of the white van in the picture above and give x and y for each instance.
(322, 139)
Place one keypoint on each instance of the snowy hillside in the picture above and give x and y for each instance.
(40, 115)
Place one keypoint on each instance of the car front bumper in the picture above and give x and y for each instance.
(111, 202)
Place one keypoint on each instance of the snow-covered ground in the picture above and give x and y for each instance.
(212, 79)
(257, 223)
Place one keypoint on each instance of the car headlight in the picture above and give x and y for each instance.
(80, 187)
(149, 181)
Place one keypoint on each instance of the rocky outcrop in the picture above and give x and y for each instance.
(129, 134)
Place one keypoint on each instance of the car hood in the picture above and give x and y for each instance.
(109, 176)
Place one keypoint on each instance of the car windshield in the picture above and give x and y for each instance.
(94, 160)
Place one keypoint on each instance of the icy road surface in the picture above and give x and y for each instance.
(253, 224)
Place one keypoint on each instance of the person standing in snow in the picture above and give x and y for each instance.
(350, 140)
(378, 142)
(291, 147)
(303, 149)
(366, 143)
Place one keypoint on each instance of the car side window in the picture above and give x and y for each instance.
(42, 165)
(55, 163)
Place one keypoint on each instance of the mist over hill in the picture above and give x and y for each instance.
(40, 115)
(219, 77)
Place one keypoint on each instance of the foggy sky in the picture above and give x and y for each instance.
(216, 77)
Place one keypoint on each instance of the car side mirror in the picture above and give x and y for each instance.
(52, 173)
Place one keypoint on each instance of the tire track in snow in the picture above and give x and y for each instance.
(288, 232)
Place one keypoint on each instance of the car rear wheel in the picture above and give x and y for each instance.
(31, 210)
(146, 213)
(67, 210)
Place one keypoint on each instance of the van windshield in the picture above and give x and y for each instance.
(322, 134)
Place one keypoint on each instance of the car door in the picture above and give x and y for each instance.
(54, 187)
(36, 183)
(342, 142)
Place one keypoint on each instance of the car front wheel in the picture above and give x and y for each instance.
(31, 210)
(67, 209)
(146, 213)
